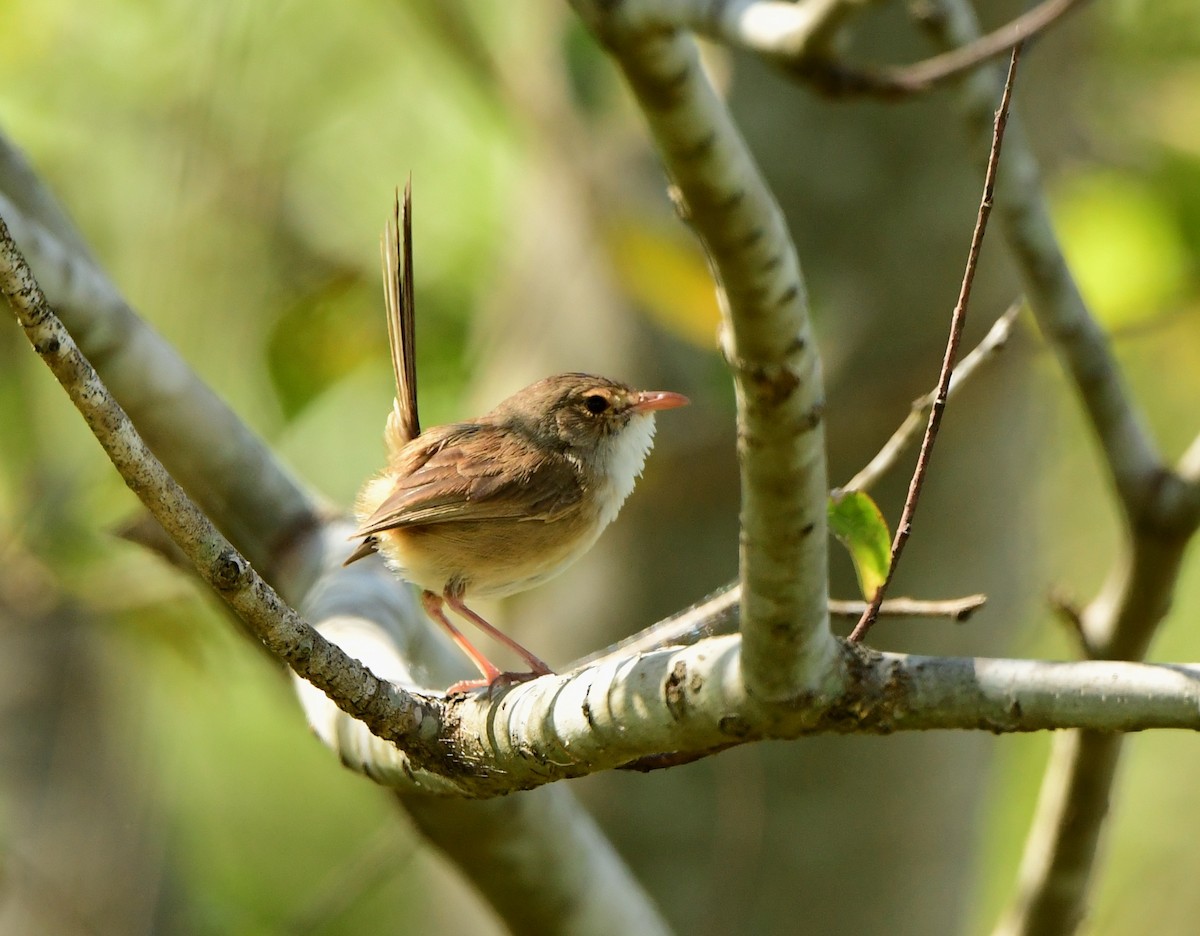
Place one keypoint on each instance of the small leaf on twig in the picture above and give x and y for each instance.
(856, 522)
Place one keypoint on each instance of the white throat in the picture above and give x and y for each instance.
(624, 454)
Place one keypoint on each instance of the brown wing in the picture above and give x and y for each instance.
(396, 249)
(472, 471)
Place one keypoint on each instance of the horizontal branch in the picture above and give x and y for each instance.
(617, 711)
(692, 701)
(954, 609)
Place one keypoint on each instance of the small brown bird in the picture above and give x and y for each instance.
(504, 502)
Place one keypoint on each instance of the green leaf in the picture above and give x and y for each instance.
(859, 526)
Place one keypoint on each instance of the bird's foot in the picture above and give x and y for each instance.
(498, 681)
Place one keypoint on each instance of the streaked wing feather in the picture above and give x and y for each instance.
(440, 485)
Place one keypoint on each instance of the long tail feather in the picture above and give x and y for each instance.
(396, 249)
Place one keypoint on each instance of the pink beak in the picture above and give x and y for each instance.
(649, 400)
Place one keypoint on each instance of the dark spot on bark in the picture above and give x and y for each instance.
(788, 295)
(732, 200)
(587, 714)
(50, 347)
(734, 726)
(672, 83)
(799, 343)
(1015, 712)
(673, 690)
(812, 418)
(773, 384)
(782, 631)
(771, 263)
(700, 148)
(663, 93)
(229, 570)
(751, 239)
(807, 529)
(696, 683)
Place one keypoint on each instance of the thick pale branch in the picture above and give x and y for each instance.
(228, 470)
(769, 343)
(542, 862)
(692, 700)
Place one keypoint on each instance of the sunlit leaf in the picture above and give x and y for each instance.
(667, 274)
(856, 522)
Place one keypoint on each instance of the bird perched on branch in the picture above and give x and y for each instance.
(498, 504)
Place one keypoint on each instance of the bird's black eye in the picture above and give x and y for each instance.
(596, 403)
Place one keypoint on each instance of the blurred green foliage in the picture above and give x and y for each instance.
(232, 165)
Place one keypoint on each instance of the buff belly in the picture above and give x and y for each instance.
(503, 556)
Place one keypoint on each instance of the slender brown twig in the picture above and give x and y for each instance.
(718, 614)
(957, 610)
(908, 431)
(898, 82)
(957, 320)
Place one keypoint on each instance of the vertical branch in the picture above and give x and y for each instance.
(768, 341)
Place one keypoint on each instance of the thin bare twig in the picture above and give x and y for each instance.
(718, 614)
(924, 75)
(798, 40)
(904, 81)
(958, 319)
(956, 609)
(907, 432)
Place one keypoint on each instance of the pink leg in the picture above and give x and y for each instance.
(433, 607)
(456, 602)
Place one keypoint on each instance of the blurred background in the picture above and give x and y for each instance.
(232, 165)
